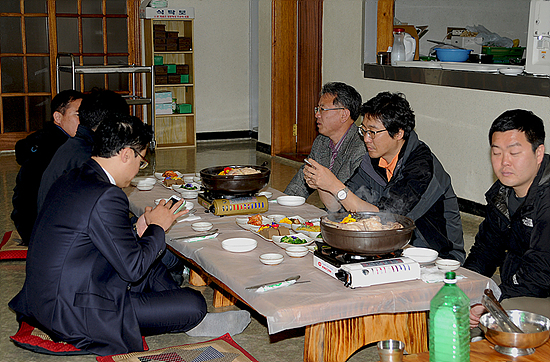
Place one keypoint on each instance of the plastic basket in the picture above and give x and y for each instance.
(504, 55)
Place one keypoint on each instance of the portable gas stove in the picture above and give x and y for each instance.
(357, 270)
(232, 204)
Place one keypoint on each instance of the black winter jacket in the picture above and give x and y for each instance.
(518, 244)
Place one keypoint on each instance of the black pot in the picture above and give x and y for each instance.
(234, 184)
(480, 58)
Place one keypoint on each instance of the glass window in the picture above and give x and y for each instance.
(12, 75)
(39, 111)
(36, 6)
(13, 109)
(36, 30)
(66, 6)
(10, 35)
(38, 73)
(68, 43)
(92, 35)
(116, 6)
(117, 35)
(93, 80)
(92, 6)
(10, 6)
(119, 81)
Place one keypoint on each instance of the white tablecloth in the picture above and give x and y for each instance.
(322, 299)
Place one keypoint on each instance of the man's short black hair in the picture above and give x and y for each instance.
(393, 110)
(98, 104)
(118, 131)
(345, 96)
(522, 121)
(61, 101)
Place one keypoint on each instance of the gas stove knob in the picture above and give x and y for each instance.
(344, 276)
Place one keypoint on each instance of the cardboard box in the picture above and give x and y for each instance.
(172, 34)
(171, 47)
(161, 69)
(163, 97)
(161, 79)
(146, 12)
(160, 47)
(182, 68)
(174, 79)
(159, 27)
(163, 108)
(184, 43)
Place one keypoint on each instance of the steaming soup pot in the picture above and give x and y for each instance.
(234, 184)
(367, 242)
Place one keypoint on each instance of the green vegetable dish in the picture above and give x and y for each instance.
(291, 239)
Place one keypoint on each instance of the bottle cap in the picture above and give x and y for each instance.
(398, 30)
(450, 277)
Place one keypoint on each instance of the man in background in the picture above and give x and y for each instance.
(338, 145)
(515, 235)
(34, 154)
(94, 108)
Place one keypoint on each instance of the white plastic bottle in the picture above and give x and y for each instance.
(398, 48)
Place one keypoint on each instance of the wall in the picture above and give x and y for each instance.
(454, 122)
(221, 56)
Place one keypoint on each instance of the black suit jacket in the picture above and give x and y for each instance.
(84, 261)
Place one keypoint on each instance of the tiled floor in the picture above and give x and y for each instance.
(283, 347)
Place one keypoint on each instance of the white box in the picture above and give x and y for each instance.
(466, 42)
(146, 12)
(163, 108)
(163, 97)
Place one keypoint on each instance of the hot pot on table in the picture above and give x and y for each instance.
(234, 184)
(367, 242)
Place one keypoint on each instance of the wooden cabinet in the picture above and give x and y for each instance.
(175, 129)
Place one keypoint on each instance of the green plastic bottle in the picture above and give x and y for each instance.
(450, 323)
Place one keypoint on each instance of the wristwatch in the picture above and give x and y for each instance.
(342, 194)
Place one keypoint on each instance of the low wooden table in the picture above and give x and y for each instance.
(338, 320)
(483, 351)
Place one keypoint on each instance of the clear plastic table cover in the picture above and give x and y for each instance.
(322, 299)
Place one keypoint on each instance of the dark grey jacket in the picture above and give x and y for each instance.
(348, 159)
(419, 189)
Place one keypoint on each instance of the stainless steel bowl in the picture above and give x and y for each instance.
(536, 330)
(367, 242)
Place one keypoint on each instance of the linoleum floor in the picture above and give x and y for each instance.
(283, 347)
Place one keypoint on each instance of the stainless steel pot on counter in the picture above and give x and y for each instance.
(367, 242)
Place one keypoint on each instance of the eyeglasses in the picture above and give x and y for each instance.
(367, 132)
(143, 163)
(321, 109)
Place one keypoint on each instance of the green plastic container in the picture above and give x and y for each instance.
(185, 78)
(504, 55)
(185, 108)
(171, 68)
(158, 60)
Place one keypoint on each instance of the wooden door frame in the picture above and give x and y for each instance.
(296, 61)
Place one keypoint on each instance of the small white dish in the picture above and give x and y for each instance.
(447, 264)
(143, 180)
(277, 240)
(421, 255)
(271, 258)
(187, 179)
(158, 175)
(266, 194)
(510, 71)
(291, 200)
(297, 251)
(202, 226)
(189, 194)
(239, 245)
(145, 187)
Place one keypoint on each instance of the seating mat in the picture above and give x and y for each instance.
(10, 248)
(222, 349)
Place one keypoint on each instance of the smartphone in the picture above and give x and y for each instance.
(173, 200)
(309, 163)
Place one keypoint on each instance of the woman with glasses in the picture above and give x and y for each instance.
(400, 175)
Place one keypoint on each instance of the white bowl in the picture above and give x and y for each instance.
(143, 180)
(447, 264)
(291, 200)
(277, 240)
(297, 251)
(145, 187)
(239, 245)
(158, 175)
(266, 194)
(189, 194)
(188, 179)
(271, 258)
(202, 226)
(421, 255)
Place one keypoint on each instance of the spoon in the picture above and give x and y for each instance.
(497, 311)
(442, 43)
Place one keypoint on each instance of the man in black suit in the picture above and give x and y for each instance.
(91, 279)
(34, 154)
